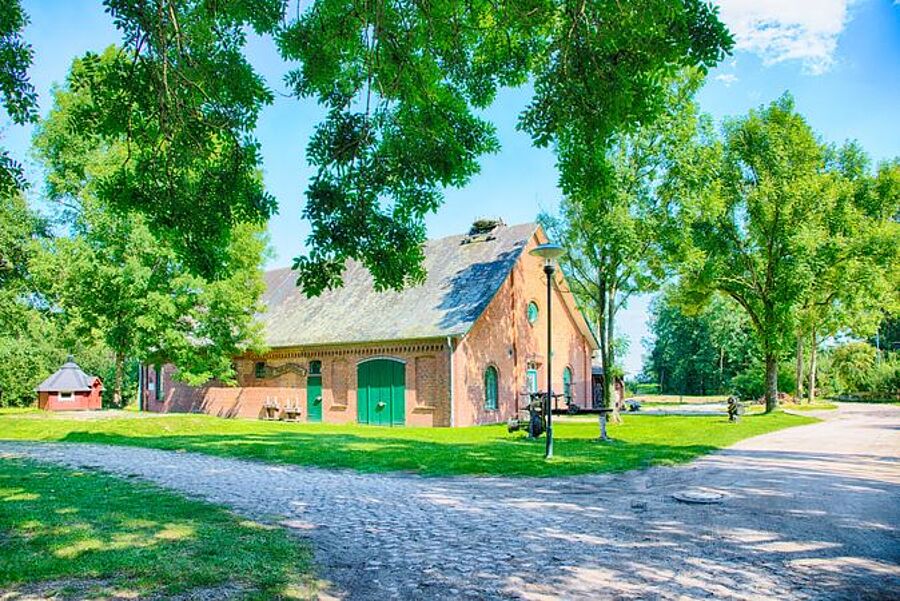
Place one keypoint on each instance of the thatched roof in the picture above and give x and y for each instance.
(464, 274)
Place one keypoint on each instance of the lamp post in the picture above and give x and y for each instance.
(549, 252)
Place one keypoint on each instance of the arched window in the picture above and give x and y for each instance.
(259, 370)
(567, 385)
(490, 388)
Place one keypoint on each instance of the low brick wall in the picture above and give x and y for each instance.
(427, 397)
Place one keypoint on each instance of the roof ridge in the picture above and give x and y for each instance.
(428, 241)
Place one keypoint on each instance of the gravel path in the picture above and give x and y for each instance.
(810, 513)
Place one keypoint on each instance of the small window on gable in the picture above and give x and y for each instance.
(532, 312)
(490, 388)
(259, 370)
(66, 396)
(315, 368)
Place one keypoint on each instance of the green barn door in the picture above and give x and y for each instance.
(381, 389)
(314, 392)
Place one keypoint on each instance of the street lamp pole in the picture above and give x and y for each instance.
(548, 270)
(549, 252)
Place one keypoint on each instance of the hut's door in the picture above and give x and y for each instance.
(314, 392)
(381, 387)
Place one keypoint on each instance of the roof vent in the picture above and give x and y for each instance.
(482, 230)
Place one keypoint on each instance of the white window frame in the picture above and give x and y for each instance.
(65, 396)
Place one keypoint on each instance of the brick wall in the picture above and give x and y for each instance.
(427, 396)
(81, 401)
(504, 338)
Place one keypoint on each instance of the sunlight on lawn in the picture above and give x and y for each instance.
(177, 545)
(642, 440)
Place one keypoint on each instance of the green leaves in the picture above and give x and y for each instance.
(16, 92)
(181, 101)
(798, 233)
(146, 300)
(402, 82)
(697, 351)
(607, 70)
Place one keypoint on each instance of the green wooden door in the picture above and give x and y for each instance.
(314, 392)
(314, 398)
(380, 396)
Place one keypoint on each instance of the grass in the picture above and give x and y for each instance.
(20, 411)
(642, 441)
(65, 532)
(676, 399)
(816, 406)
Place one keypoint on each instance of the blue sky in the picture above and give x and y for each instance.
(839, 58)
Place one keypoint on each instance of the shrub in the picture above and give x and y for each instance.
(884, 379)
(851, 366)
(645, 388)
(751, 382)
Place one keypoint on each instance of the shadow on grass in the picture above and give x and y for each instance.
(509, 456)
(99, 535)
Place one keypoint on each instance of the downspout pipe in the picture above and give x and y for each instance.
(140, 395)
(452, 399)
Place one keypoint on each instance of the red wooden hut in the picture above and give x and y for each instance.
(70, 389)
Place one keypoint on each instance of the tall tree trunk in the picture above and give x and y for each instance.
(811, 387)
(798, 371)
(119, 377)
(721, 369)
(604, 343)
(771, 381)
(609, 381)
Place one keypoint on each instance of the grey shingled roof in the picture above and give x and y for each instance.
(68, 378)
(462, 280)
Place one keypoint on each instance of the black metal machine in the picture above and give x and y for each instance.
(735, 409)
(532, 417)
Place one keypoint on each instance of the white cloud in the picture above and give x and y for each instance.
(784, 30)
(726, 78)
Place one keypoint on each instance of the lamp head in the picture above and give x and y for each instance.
(549, 252)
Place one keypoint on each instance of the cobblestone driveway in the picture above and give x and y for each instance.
(810, 513)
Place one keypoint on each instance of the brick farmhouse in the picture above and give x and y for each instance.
(462, 348)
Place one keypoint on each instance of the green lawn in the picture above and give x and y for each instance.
(642, 441)
(652, 400)
(816, 406)
(72, 533)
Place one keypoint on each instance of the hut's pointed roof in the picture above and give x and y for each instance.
(67, 378)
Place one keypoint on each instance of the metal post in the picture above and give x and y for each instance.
(548, 269)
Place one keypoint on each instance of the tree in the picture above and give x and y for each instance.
(745, 215)
(697, 353)
(851, 364)
(22, 326)
(182, 100)
(611, 237)
(16, 92)
(143, 299)
(855, 263)
(401, 83)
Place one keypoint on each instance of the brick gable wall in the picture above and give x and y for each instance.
(504, 338)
